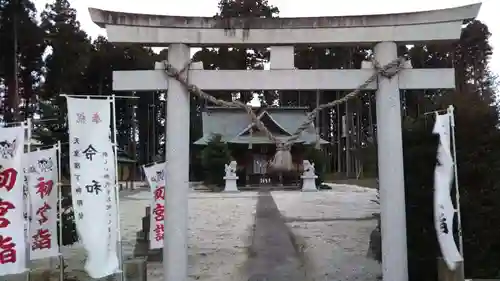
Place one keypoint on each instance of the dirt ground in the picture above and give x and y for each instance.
(330, 231)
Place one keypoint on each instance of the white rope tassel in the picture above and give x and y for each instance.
(317, 144)
(282, 160)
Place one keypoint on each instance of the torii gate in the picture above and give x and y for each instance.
(383, 32)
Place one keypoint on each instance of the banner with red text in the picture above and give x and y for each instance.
(41, 172)
(444, 211)
(92, 182)
(12, 234)
(155, 176)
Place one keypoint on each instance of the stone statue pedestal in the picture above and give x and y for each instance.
(141, 248)
(231, 184)
(309, 183)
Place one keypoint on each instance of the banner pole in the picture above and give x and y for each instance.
(28, 204)
(59, 184)
(117, 190)
(457, 192)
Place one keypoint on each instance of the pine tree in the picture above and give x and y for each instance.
(70, 49)
(20, 51)
(214, 157)
(65, 67)
(477, 138)
(239, 58)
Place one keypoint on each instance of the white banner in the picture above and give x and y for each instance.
(26, 198)
(24, 161)
(155, 175)
(444, 211)
(42, 175)
(12, 235)
(111, 201)
(92, 186)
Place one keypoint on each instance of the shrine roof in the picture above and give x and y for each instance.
(256, 109)
(232, 124)
(103, 18)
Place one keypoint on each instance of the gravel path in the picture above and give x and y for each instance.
(220, 226)
(331, 228)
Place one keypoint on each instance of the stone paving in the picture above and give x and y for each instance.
(274, 256)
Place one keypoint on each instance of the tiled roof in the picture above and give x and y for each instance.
(232, 123)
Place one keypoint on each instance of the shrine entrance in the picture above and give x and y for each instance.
(386, 73)
(258, 171)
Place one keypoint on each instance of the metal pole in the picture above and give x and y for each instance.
(28, 205)
(59, 184)
(16, 66)
(457, 192)
(339, 135)
(347, 140)
(318, 137)
(318, 94)
(154, 145)
(359, 128)
(98, 96)
(147, 151)
(29, 125)
(370, 119)
(31, 120)
(134, 144)
(117, 191)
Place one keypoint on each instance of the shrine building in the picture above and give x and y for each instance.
(251, 148)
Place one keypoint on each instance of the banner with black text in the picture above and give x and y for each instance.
(444, 210)
(92, 182)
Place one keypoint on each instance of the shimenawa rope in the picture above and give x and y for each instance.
(282, 160)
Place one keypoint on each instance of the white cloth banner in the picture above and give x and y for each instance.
(155, 176)
(111, 203)
(92, 183)
(444, 211)
(42, 175)
(25, 163)
(12, 234)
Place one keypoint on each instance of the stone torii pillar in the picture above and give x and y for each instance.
(175, 254)
(382, 31)
(391, 174)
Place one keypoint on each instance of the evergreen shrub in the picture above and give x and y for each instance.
(214, 157)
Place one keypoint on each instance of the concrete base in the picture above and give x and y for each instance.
(309, 183)
(231, 184)
(444, 274)
(141, 248)
(135, 269)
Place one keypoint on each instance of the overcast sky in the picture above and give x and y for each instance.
(289, 8)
